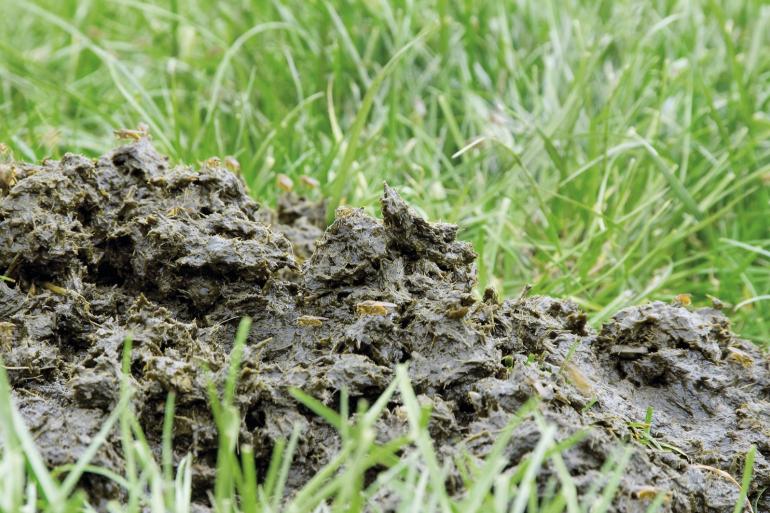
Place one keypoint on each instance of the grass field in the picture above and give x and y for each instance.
(609, 152)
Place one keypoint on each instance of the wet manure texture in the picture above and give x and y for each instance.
(97, 250)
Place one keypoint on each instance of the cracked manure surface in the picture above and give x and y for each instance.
(125, 244)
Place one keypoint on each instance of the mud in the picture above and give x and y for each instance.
(126, 244)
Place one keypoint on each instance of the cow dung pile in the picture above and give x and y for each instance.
(93, 251)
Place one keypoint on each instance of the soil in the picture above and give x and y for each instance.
(126, 244)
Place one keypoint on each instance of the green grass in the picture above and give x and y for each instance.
(611, 152)
(607, 151)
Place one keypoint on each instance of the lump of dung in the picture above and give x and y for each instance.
(707, 389)
(301, 221)
(118, 246)
(174, 257)
(423, 275)
(128, 217)
(413, 235)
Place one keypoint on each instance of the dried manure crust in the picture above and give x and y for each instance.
(175, 257)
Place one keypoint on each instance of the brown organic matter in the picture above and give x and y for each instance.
(127, 245)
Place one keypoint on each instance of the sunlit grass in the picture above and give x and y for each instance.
(612, 152)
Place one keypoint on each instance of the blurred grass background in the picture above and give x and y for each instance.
(607, 151)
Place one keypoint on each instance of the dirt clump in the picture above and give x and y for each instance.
(126, 244)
